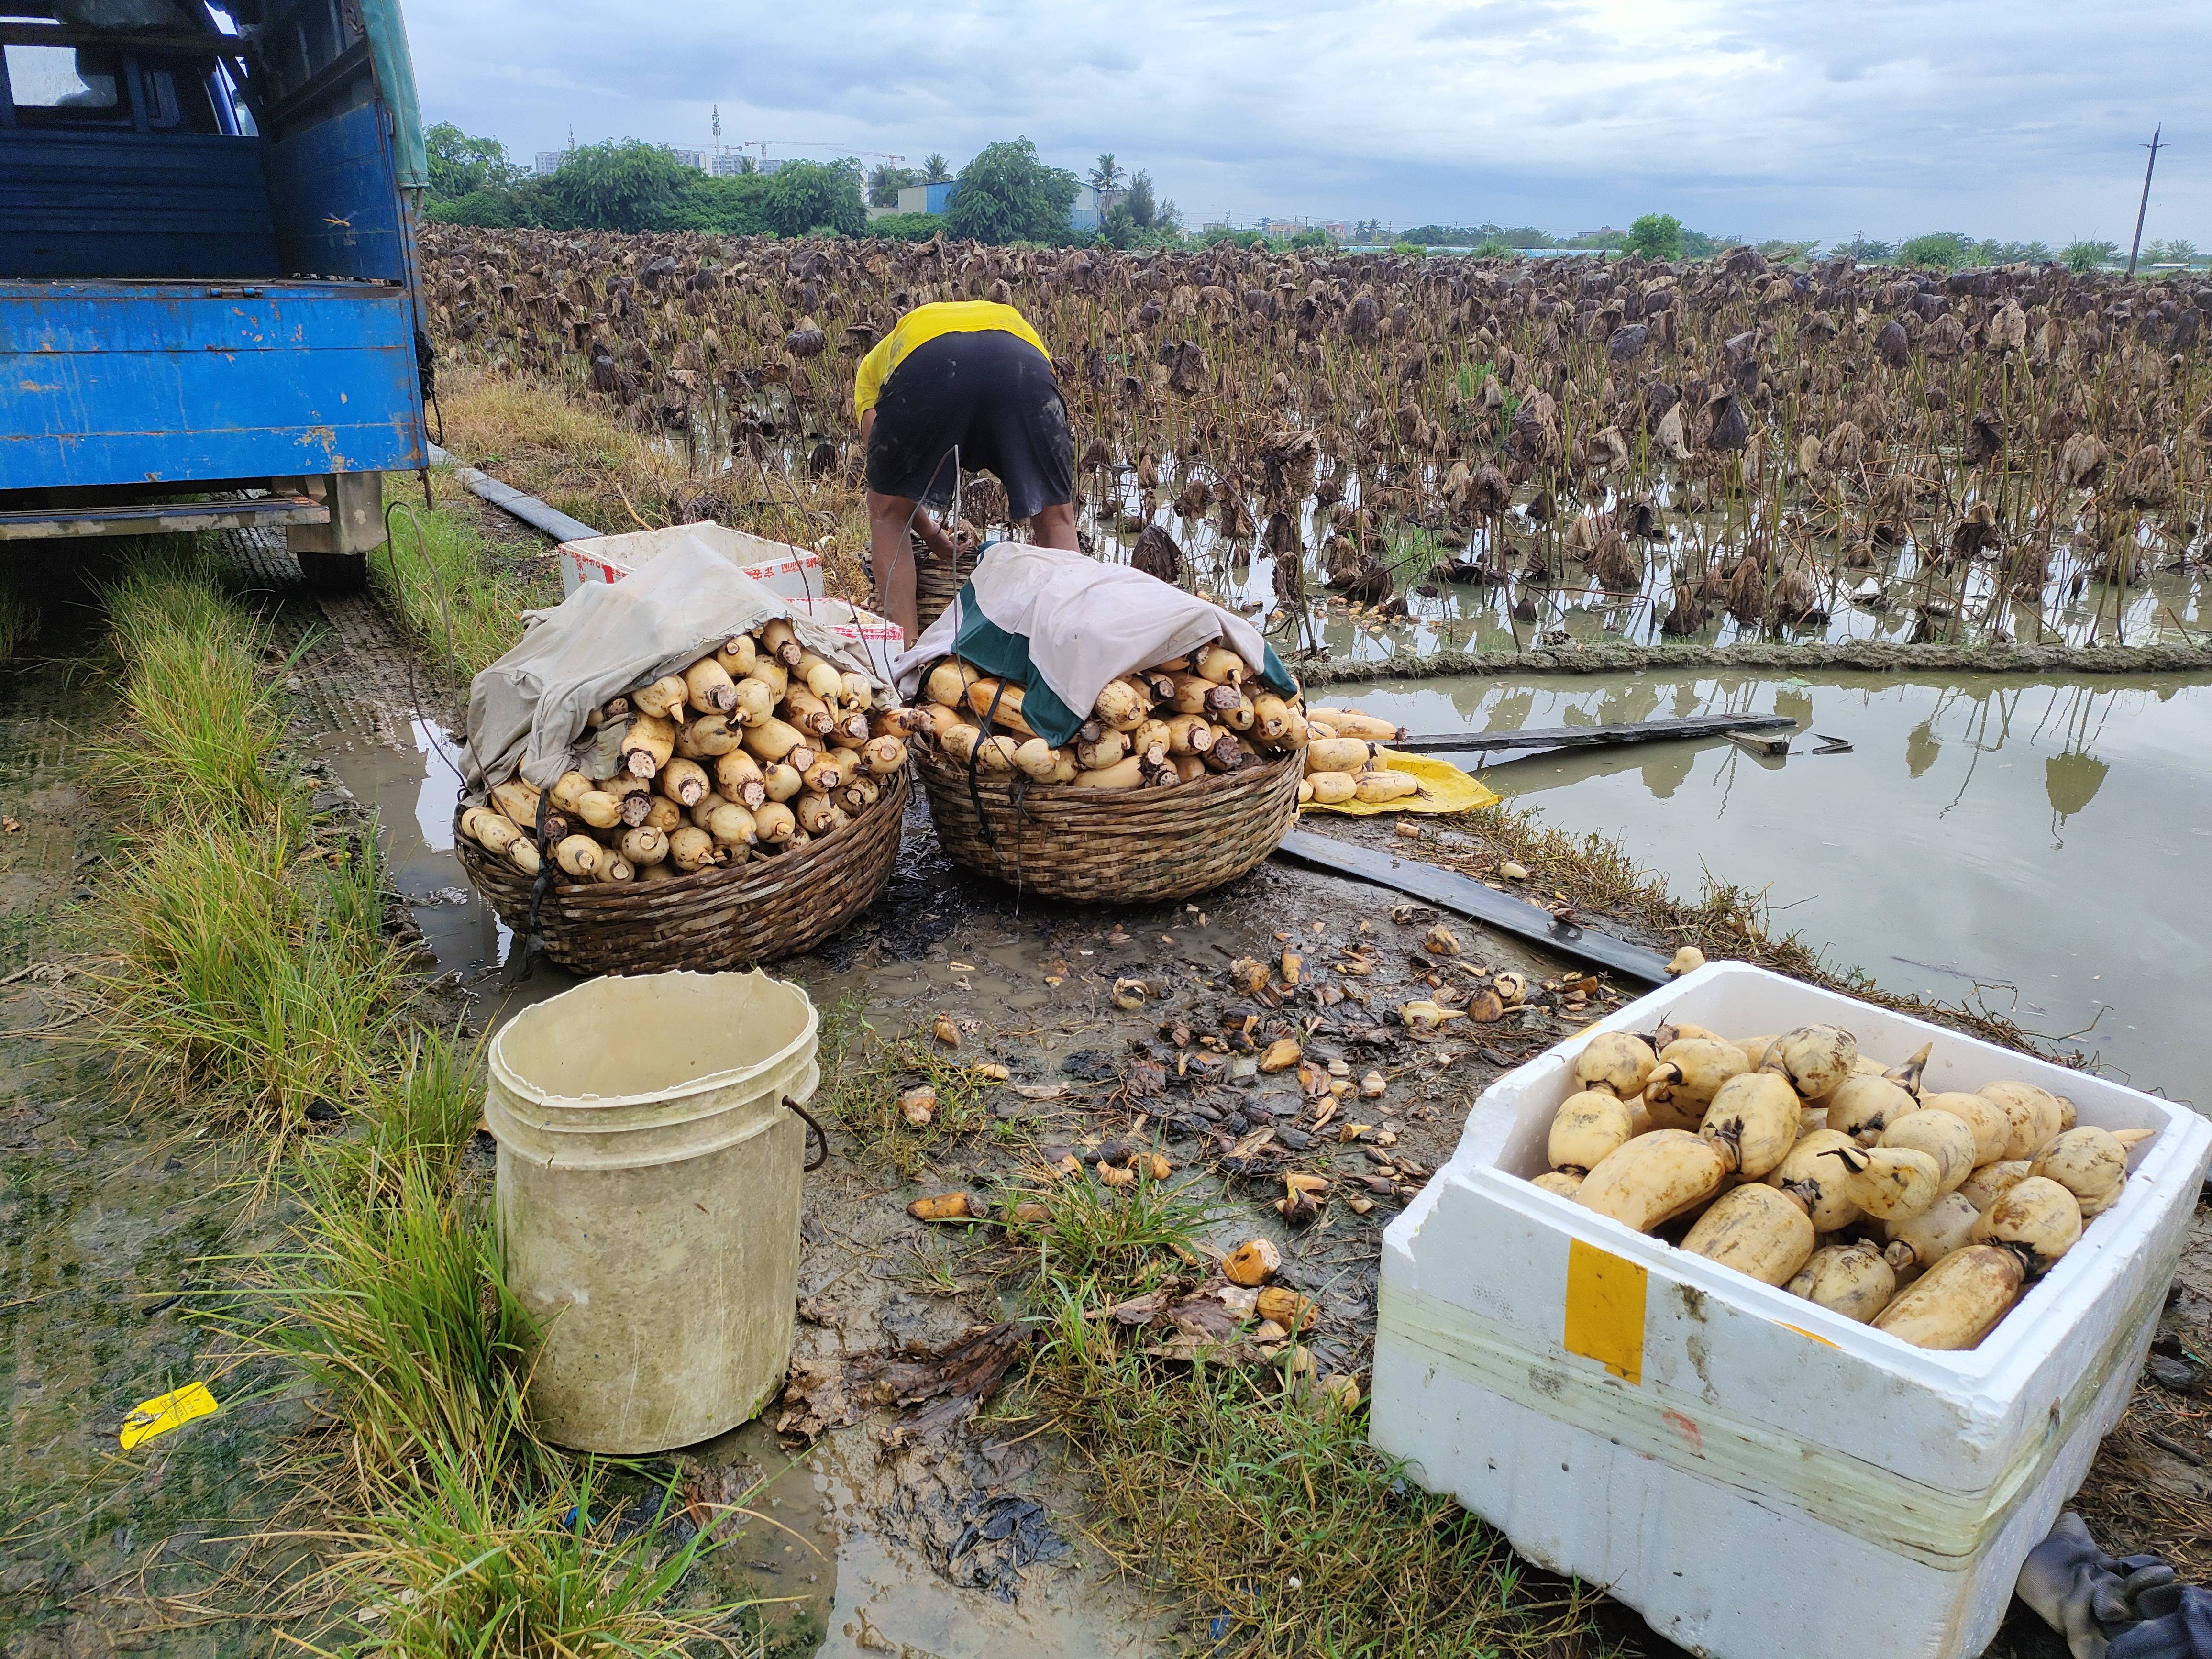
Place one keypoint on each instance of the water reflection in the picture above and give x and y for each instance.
(1981, 829)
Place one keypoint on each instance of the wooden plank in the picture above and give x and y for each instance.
(1467, 896)
(160, 517)
(1592, 737)
(160, 46)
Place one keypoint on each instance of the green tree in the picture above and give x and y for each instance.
(885, 181)
(2084, 255)
(460, 164)
(1655, 236)
(1493, 246)
(1118, 227)
(935, 169)
(1312, 236)
(1939, 250)
(2173, 251)
(905, 227)
(1144, 211)
(1007, 194)
(1106, 179)
(733, 206)
(491, 210)
(805, 196)
(630, 185)
(1864, 250)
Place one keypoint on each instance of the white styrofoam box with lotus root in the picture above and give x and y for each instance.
(790, 572)
(1753, 1473)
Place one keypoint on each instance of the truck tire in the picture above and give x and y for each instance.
(334, 573)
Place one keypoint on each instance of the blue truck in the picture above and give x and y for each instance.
(208, 310)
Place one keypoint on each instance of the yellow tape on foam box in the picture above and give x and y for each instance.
(165, 1412)
(1444, 788)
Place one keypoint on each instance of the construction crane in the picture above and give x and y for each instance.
(761, 145)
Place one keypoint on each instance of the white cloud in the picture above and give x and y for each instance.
(1769, 116)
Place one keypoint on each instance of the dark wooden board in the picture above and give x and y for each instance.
(1592, 737)
(1463, 895)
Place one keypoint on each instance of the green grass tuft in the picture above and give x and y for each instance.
(257, 986)
(453, 1569)
(1119, 1238)
(866, 1071)
(392, 1297)
(204, 722)
(1281, 1529)
(449, 586)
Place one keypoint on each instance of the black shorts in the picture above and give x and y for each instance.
(988, 394)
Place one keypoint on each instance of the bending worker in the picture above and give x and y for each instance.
(963, 383)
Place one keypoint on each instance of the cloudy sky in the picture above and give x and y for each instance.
(2014, 119)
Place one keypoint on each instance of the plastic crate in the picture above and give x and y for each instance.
(791, 573)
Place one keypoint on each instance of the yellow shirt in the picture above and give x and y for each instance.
(921, 325)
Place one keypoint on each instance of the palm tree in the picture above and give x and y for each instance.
(936, 170)
(1106, 179)
(885, 182)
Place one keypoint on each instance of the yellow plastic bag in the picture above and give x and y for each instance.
(1444, 788)
(165, 1412)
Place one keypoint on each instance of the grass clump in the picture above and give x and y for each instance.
(453, 591)
(205, 722)
(253, 983)
(1123, 1238)
(451, 1570)
(1281, 1529)
(868, 1071)
(392, 1298)
(21, 617)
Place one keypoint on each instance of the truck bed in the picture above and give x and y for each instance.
(130, 381)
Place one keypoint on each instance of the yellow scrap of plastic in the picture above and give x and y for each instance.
(165, 1412)
(1444, 788)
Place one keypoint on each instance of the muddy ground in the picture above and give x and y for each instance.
(111, 1216)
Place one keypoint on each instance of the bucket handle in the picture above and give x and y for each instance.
(819, 1133)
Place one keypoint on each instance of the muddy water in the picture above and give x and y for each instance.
(2042, 845)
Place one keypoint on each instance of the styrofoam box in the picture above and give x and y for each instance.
(790, 572)
(1754, 1474)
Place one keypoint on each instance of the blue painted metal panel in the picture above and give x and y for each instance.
(92, 203)
(335, 204)
(111, 383)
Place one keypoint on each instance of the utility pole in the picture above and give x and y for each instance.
(2143, 207)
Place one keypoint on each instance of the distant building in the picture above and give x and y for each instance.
(926, 199)
(549, 160)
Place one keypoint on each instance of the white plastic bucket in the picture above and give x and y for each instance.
(649, 1175)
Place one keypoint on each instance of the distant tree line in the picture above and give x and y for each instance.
(1008, 193)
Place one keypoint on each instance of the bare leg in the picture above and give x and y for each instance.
(892, 555)
(1055, 526)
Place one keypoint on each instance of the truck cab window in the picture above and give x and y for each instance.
(81, 83)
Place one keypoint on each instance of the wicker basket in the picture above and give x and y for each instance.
(936, 584)
(1117, 846)
(762, 910)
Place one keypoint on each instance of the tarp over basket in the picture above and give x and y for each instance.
(527, 711)
(1062, 625)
